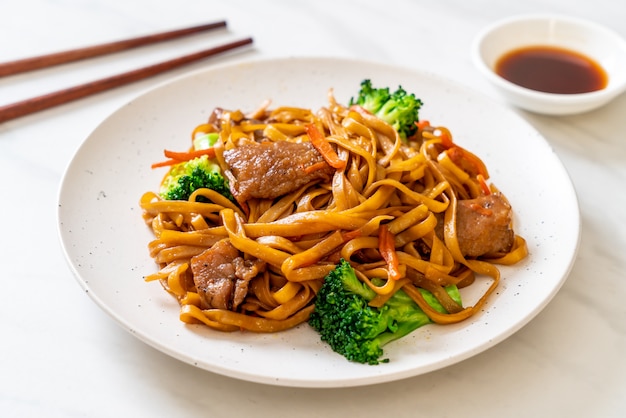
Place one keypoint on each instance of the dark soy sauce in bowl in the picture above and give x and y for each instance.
(551, 70)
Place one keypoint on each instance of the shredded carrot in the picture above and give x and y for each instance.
(446, 140)
(349, 235)
(483, 184)
(179, 157)
(457, 154)
(421, 124)
(314, 167)
(322, 145)
(165, 163)
(481, 210)
(387, 247)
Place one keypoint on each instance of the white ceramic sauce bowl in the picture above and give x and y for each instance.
(600, 44)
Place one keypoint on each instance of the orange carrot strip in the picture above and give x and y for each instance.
(457, 154)
(480, 209)
(179, 157)
(421, 124)
(165, 163)
(480, 166)
(446, 140)
(314, 167)
(482, 169)
(483, 184)
(189, 155)
(349, 235)
(387, 247)
(322, 145)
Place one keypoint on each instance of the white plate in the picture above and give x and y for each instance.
(105, 239)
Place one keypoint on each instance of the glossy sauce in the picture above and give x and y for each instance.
(552, 70)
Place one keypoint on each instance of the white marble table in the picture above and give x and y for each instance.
(62, 356)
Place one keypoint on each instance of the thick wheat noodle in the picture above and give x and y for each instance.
(301, 236)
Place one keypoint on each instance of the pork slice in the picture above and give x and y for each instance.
(221, 275)
(245, 270)
(484, 225)
(272, 169)
(214, 274)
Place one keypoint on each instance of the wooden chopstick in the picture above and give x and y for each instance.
(46, 101)
(57, 58)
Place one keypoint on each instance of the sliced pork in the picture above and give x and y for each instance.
(484, 225)
(272, 169)
(221, 275)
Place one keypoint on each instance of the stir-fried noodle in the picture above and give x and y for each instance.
(391, 207)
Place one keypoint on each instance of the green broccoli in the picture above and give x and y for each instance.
(187, 177)
(358, 331)
(399, 109)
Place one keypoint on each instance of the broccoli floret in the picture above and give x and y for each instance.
(185, 178)
(399, 109)
(356, 330)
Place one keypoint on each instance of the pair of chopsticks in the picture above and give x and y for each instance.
(46, 101)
